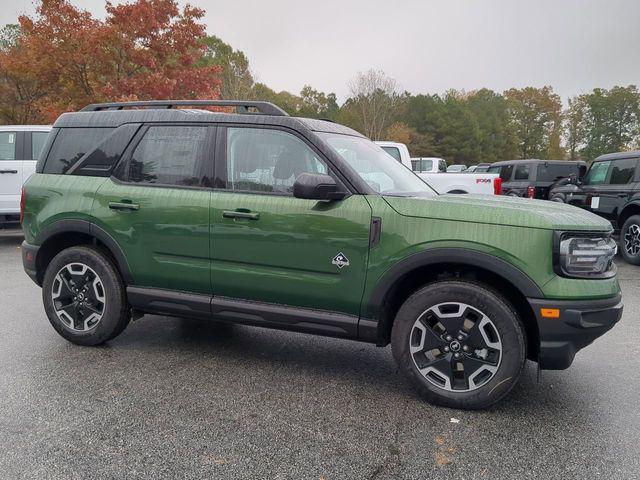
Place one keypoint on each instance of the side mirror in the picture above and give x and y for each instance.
(573, 179)
(317, 186)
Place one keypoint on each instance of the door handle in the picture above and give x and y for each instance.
(123, 206)
(240, 213)
(8, 171)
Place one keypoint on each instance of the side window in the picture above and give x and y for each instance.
(8, 145)
(623, 171)
(522, 172)
(38, 140)
(263, 160)
(170, 155)
(394, 152)
(442, 166)
(505, 172)
(70, 145)
(597, 173)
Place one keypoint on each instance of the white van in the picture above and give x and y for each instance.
(20, 147)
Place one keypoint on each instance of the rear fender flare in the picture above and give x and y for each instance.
(82, 226)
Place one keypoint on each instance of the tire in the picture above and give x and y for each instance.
(84, 297)
(494, 350)
(630, 240)
(559, 198)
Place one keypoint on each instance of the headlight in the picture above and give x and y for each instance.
(584, 255)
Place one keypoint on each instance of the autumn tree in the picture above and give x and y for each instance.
(374, 97)
(63, 58)
(537, 116)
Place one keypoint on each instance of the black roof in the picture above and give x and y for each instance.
(114, 115)
(617, 155)
(536, 161)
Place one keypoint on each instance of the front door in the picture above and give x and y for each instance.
(158, 208)
(10, 172)
(268, 246)
(611, 190)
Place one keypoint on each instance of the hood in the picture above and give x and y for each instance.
(500, 210)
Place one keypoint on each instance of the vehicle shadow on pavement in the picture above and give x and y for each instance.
(221, 345)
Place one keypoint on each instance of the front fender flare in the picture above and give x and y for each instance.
(372, 321)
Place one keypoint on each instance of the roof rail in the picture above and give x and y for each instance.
(242, 107)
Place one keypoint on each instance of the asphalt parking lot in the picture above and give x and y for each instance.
(173, 398)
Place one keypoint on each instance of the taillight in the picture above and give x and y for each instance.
(531, 192)
(23, 196)
(497, 186)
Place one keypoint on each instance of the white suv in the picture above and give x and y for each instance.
(20, 147)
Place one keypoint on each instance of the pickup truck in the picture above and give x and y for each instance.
(484, 183)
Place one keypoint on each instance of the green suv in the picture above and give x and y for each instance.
(259, 218)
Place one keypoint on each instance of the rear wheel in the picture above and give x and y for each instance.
(460, 343)
(630, 240)
(84, 297)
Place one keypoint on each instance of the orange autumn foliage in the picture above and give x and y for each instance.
(64, 59)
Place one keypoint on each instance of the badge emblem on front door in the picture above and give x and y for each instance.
(340, 260)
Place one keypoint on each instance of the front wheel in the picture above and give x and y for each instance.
(84, 297)
(630, 240)
(460, 343)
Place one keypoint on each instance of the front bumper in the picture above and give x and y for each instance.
(29, 255)
(580, 322)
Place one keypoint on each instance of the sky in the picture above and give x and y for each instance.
(427, 46)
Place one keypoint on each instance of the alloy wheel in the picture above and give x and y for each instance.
(455, 347)
(632, 240)
(78, 297)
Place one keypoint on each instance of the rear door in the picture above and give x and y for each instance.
(271, 247)
(10, 171)
(156, 207)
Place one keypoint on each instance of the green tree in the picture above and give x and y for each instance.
(574, 126)
(610, 120)
(315, 104)
(537, 117)
(237, 79)
(497, 136)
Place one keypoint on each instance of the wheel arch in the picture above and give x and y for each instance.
(68, 233)
(402, 280)
(629, 210)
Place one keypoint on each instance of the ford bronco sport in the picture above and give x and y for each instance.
(259, 218)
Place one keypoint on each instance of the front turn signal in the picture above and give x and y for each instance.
(550, 312)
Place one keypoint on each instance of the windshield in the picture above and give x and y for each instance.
(376, 168)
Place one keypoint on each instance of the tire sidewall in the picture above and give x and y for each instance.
(488, 302)
(632, 259)
(115, 305)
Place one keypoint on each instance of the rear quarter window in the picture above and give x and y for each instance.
(70, 145)
(551, 172)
